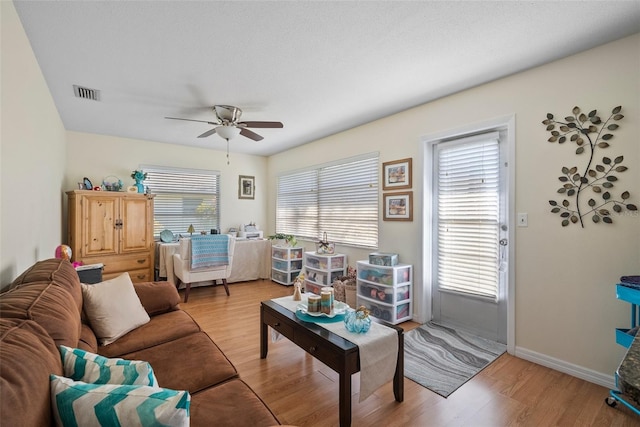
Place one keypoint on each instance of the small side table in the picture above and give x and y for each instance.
(90, 273)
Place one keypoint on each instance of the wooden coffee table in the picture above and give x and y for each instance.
(334, 351)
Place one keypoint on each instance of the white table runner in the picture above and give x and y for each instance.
(378, 348)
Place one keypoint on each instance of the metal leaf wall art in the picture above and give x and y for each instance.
(599, 176)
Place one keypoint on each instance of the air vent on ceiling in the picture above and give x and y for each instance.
(86, 93)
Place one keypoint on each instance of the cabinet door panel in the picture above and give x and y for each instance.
(100, 236)
(136, 225)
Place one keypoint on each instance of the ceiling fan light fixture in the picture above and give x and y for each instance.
(227, 132)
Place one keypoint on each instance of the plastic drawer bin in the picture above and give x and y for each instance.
(322, 277)
(387, 294)
(279, 253)
(379, 258)
(279, 276)
(279, 265)
(286, 253)
(386, 312)
(376, 275)
(325, 262)
(337, 262)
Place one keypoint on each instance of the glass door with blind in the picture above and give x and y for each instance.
(469, 234)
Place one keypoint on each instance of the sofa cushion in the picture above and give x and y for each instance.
(28, 356)
(200, 363)
(163, 328)
(113, 308)
(80, 365)
(76, 403)
(48, 305)
(157, 297)
(88, 340)
(230, 404)
(59, 272)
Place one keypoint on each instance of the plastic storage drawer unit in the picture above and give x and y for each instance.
(391, 313)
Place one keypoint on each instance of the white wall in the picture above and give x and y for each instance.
(100, 156)
(566, 310)
(32, 155)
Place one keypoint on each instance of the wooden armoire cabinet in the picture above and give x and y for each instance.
(115, 229)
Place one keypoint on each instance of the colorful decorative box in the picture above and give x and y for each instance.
(380, 258)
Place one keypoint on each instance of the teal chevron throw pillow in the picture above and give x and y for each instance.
(81, 365)
(76, 403)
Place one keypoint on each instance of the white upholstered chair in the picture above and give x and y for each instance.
(182, 268)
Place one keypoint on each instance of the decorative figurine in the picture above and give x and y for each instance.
(139, 176)
(297, 288)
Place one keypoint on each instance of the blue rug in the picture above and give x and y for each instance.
(442, 359)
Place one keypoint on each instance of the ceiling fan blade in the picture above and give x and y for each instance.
(191, 120)
(261, 124)
(207, 133)
(251, 135)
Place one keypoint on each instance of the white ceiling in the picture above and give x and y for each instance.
(318, 67)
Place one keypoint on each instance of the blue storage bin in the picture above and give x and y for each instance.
(623, 337)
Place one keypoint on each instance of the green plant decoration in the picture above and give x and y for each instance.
(289, 238)
(589, 133)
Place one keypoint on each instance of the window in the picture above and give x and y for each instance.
(184, 197)
(338, 198)
(467, 211)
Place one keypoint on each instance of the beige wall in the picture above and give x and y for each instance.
(100, 156)
(566, 310)
(32, 154)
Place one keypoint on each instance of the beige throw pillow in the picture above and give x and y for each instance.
(113, 308)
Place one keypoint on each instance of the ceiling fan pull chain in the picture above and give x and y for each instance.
(227, 151)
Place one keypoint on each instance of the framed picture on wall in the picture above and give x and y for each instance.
(246, 187)
(396, 175)
(398, 206)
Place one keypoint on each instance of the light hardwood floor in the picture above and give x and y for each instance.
(304, 392)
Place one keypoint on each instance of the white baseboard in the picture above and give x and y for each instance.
(605, 380)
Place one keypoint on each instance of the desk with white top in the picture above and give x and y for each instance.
(251, 261)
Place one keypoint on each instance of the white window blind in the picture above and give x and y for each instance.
(340, 199)
(184, 197)
(467, 199)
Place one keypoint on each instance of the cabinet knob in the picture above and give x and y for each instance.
(276, 324)
(141, 261)
(141, 276)
(312, 349)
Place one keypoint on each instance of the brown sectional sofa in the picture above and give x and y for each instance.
(42, 309)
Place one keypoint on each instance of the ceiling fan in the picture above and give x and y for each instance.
(228, 125)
